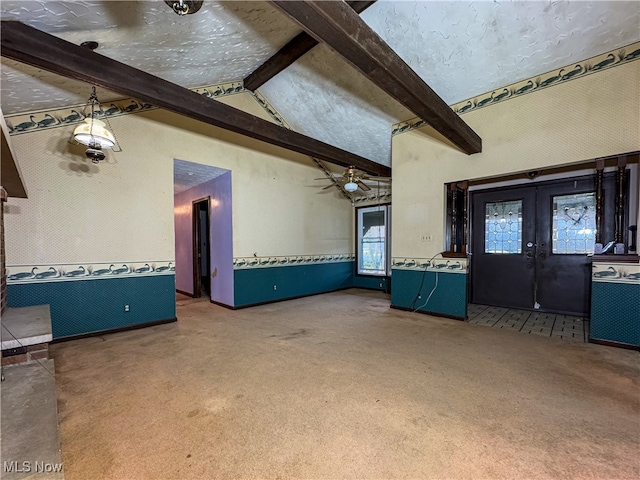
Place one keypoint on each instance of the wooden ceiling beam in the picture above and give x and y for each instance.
(11, 179)
(31, 46)
(297, 47)
(338, 26)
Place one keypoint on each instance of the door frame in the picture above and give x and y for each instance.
(608, 214)
(527, 193)
(195, 241)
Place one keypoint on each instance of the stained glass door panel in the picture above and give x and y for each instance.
(503, 227)
(531, 245)
(502, 270)
(574, 223)
(566, 231)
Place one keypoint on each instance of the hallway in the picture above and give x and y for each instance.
(342, 386)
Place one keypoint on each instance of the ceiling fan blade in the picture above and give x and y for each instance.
(363, 185)
(328, 187)
(376, 179)
(323, 178)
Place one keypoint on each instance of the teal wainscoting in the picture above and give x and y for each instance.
(372, 283)
(256, 285)
(448, 299)
(615, 312)
(83, 306)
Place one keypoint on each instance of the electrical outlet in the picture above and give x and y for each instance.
(126, 308)
(427, 238)
(275, 288)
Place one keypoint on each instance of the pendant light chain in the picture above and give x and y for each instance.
(106, 121)
(93, 99)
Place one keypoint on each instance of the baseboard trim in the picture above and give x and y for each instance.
(373, 289)
(99, 333)
(224, 305)
(249, 305)
(192, 295)
(434, 314)
(609, 343)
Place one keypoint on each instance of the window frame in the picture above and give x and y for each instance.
(359, 211)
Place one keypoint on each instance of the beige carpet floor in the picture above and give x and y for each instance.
(341, 386)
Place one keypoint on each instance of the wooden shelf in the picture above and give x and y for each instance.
(620, 258)
(454, 255)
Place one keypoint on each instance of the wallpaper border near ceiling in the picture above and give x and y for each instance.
(270, 109)
(266, 262)
(45, 119)
(591, 65)
(53, 118)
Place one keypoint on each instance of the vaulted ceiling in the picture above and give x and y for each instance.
(460, 49)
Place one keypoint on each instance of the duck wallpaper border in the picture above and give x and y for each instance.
(616, 272)
(435, 264)
(19, 274)
(591, 65)
(46, 119)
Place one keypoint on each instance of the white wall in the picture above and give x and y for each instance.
(122, 209)
(593, 116)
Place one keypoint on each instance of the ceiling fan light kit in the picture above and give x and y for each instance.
(352, 179)
(351, 187)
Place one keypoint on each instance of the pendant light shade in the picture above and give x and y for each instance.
(94, 134)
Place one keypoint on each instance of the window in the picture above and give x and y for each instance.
(373, 240)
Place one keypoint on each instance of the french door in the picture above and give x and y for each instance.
(530, 246)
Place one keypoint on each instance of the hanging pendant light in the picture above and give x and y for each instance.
(94, 133)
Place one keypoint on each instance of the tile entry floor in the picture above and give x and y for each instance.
(566, 327)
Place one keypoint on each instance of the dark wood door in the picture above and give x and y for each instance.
(531, 246)
(565, 228)
(502, 265)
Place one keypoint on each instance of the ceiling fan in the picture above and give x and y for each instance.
(352, 179)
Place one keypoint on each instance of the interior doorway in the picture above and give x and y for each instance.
(531, 244)
(201, 248)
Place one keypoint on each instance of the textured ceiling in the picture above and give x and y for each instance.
(342, 107)
(461, 49)
(224, 41)
(187, 175)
